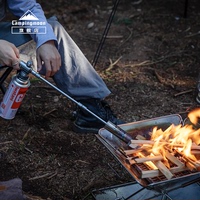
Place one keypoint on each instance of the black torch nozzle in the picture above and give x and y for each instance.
(118, 132)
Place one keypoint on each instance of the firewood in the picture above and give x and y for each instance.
(150, 173)
(195, 152)
(140, 137)
(133, 146)
(187, 159)
(132, 151)
(151, 142)
(145, 159)
(142, 142)
(156, 172)
(163, 169)
(161, 164)
(174, 159)
(190, 166)
(195, 163)
(178, 169)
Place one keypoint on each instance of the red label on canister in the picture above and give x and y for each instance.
(18, 98)
(12, 100)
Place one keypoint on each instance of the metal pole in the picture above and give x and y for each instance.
(105, 33)
(186, 8)
(3, 77)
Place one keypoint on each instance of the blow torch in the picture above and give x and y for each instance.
(114, 129)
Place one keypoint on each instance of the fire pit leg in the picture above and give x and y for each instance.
(134, 193)
(191, 182)
(166, 196)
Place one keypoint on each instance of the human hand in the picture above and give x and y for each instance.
(48, 55)
(9, 54)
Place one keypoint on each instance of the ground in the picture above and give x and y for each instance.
(150, 62)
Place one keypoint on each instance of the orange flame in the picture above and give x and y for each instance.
(194, 115)
(178, 137)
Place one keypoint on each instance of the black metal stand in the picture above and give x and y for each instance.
(107, 28)
(186, 8)
(3, 78)
(105, 33)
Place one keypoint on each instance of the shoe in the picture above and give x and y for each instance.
(87, 123)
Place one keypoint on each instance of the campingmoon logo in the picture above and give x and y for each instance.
(28, 24)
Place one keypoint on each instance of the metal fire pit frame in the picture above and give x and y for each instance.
(113, 144)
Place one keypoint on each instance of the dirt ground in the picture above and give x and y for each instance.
(150, 62)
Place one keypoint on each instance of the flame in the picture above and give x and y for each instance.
(194, 115)
(149, 163)
(177, 137)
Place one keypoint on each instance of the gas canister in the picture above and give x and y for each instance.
(14, 95)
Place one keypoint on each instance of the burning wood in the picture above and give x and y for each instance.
(150, 142)
(145, 159)
(163, 169)
(167, 152)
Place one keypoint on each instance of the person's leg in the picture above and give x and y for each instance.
(77, 76)
(82, 82)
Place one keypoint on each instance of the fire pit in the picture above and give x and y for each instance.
(150, 169)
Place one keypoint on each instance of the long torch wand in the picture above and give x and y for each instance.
(114, 129)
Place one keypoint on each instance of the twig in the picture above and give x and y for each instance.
(7, 142)
(41, 176)
(27, 149)
(158, 77)
(31, 197)
(114, 37)
(131, 33)
(136, 2)
(53, 175)
(33, 112)
(47, 113)
(90, 184)
(148, 62)
(187, 36)
(82, 161)
(26, 134)
(113, 64)
(162, 80)
(183, 92)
